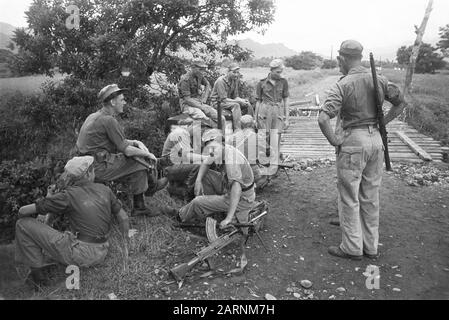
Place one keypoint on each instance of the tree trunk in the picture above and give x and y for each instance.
(416, 47)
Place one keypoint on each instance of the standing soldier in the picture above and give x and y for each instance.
(191, 99)
(102, 137)
(359, 151)
(272, 105)
(226, 91)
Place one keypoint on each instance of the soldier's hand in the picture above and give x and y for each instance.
(225, 223)
(152, 156)
(199, 191)
(51, 190)
(141, 146)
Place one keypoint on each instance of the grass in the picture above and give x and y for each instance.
(26, 85)
(153, 250)
(428, 110)
(300, 81)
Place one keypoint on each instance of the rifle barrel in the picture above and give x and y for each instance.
(380, 114)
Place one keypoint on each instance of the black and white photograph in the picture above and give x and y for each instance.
(224, 158)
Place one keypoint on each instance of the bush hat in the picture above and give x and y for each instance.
(108, 90)
(78, 166)
(276, 63)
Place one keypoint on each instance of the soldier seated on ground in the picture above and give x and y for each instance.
(181, 162)
(102, 137)
(90, 208)
(226, 93)
(228, 189)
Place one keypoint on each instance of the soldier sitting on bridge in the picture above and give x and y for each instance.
(226, 93)
(192, 99)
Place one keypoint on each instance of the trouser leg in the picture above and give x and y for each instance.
(349, 173)
(138, 182)
(236, 113)
(369, 199)
(203, 206)
(35, 242)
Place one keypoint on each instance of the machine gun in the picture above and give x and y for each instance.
(380, 114)
(217, 243)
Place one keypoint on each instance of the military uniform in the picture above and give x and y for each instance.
(90, 208)
(190, 87)
(181, 174)
(271, 93)
(216, 186)
(225, 88)
(102, 137)
(360, 157)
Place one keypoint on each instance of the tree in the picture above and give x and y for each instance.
(306, 60)
(145, 36)
(329, 64)
(428, 60)
(443, 44)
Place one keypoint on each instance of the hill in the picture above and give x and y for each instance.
(266, 50)
(6, 32)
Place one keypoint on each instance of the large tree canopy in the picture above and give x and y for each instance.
(145, 36)
(428, 60)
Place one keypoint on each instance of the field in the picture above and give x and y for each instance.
(26, 85)
(414, 244)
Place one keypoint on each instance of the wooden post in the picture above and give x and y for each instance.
(415, 51)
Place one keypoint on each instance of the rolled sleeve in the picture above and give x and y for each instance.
(333, 103)
(234, 173)
(116, 135)
(57, 204)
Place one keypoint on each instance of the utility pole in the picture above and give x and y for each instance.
(418, 42)
(332, 52)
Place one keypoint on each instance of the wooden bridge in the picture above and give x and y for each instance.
(304, 140)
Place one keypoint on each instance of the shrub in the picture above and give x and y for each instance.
(22, 184)
(329, 64)
(306, 60)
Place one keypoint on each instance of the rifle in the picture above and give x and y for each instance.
(380, 114)
(180, 271)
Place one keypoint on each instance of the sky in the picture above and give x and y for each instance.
(381, 26)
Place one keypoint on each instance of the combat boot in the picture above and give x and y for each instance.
(155, 186)
(140, 209)
(37, 278)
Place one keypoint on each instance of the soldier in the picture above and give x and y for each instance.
(226, 91)
(229, 190)
(90, 208)
(272, 105)
(102, 137)
(359, 151)
(191, 99)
